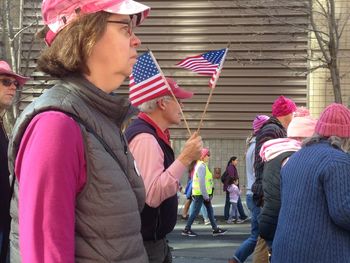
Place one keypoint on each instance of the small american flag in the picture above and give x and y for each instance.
(146, 80)
(208, 63)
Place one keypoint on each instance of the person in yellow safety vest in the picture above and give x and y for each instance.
(202, 193)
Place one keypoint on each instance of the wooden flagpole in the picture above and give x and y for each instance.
(212, 90)
(172, 93)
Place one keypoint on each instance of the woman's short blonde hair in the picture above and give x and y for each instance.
(73, 45)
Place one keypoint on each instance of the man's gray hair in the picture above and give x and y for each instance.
(151, 105)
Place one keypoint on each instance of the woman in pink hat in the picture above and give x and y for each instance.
(77, 195)
(314, 219)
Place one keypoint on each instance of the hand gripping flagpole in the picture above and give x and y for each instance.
(212, 89)
(172, 93)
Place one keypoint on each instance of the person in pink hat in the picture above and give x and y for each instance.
(248, 246)
(9, 83)
(275, 153)
(160, 170)
(314, 219)
(276, 127)
(77, 192)
(202, 193)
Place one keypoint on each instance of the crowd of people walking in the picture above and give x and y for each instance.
(299, 211)
(77, 187)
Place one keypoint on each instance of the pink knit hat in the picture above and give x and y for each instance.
(301, 112)
(205, 152)
(334, 121)
(283, 106)
(259, 122)
(301, 127)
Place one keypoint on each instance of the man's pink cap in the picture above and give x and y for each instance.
(58, 13)
(5, 69)
(283, 107)
(179, 92)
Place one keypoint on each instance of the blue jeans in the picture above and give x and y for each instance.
(241, 212)
(247, 247)
(203, 211)
(234, 212)
(197, 202)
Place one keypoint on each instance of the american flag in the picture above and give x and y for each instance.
(146, 80)
(206, 64)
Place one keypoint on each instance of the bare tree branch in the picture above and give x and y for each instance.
(21, 30)
(312, 69)
(317, 35)
(343, 26)
(324, 11)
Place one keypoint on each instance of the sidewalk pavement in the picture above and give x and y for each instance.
(205, 247)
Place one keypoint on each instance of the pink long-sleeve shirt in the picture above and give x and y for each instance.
(160, 184)
(51, 171)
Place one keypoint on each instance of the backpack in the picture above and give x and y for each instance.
(188, 190)
(224, 176)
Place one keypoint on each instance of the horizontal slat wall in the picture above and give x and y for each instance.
(267, 57)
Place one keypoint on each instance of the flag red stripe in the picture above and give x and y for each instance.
(150, 94)
(145, 91)
(189, 58)
(191, 62)
(136, 87)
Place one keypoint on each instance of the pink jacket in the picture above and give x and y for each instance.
(160, 184)
(234, 193)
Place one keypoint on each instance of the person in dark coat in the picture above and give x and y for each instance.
(9, 82)
(282, 114)
(232, 173)
(248, 246)
(276, 153)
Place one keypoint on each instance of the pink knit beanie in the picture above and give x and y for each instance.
(334, 121)
(205, 152)
(301, 112)
(259, 122)
(301, 127)
(283, 106)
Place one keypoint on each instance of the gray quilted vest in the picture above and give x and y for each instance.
(107, 227)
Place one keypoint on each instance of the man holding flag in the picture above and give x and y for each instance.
(158, 99)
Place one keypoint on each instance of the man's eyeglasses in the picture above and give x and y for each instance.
(9, 82)
(128, 23)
